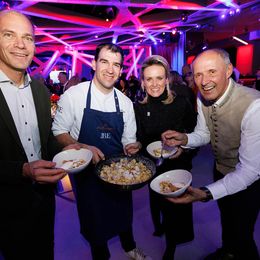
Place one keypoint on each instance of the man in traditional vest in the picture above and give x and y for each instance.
(228, 118)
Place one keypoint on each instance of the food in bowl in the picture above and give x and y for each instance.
(180, 178)
(157, 152)
(125, 172)
(75, 163)
(72, 160)
(155, 148)
(167, 186)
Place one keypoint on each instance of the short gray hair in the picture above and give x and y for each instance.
(10, 11)
(222, 53)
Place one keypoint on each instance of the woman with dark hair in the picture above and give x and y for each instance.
(161, 110)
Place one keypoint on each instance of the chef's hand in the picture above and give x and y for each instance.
(76, 146)
(97, 154)
(173, 138)
(191, 195)
(132, 148)
(42, 171)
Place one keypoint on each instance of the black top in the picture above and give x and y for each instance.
(155, 117)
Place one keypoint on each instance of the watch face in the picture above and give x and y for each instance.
(208, 194)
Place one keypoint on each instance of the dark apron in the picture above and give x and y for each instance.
(103, 212)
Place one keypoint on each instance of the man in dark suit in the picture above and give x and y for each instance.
(27, 178)
(63, 79)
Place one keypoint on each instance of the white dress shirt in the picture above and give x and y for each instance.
(21, 105)
(71, 107)
(248, 169)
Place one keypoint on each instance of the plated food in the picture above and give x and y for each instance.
(172, 183)
(126, 173)
(155, 148)
(72, 160)
(167, 186)
(157, 152)
(73, 163)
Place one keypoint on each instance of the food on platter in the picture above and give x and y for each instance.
(125, 172)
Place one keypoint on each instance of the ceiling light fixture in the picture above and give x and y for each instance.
(239, 40)
(184, 17)
(223, 16)
(174, 31)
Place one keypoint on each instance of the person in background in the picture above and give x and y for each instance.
(27, 177)
(162, 110)
(187, 75)
(180, 88)
(137, 93)
(99, 117)
(228, 117)
(63, 81)
(189, 79)
(73, 81)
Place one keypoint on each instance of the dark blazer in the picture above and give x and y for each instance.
(16, 192)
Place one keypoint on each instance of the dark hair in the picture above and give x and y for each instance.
(64, 73)
(112, 47)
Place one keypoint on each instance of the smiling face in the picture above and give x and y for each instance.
(211, 74)
(154, 80)
(107, 69)
(16, 43)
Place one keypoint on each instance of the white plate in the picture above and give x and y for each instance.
(75, 155)
(158, 145)
(180, 178)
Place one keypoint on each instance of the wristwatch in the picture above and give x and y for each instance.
(208, 194)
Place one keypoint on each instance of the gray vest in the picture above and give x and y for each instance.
(224, 123)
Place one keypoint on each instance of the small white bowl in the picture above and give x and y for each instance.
(179, 178)
(75, 155)
(158, 145)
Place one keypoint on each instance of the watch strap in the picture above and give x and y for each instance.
(208, 193)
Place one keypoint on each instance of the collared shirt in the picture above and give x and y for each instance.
(21, 105)
(248, 169)
(71, 107)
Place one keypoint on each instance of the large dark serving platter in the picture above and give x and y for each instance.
(147, 162)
